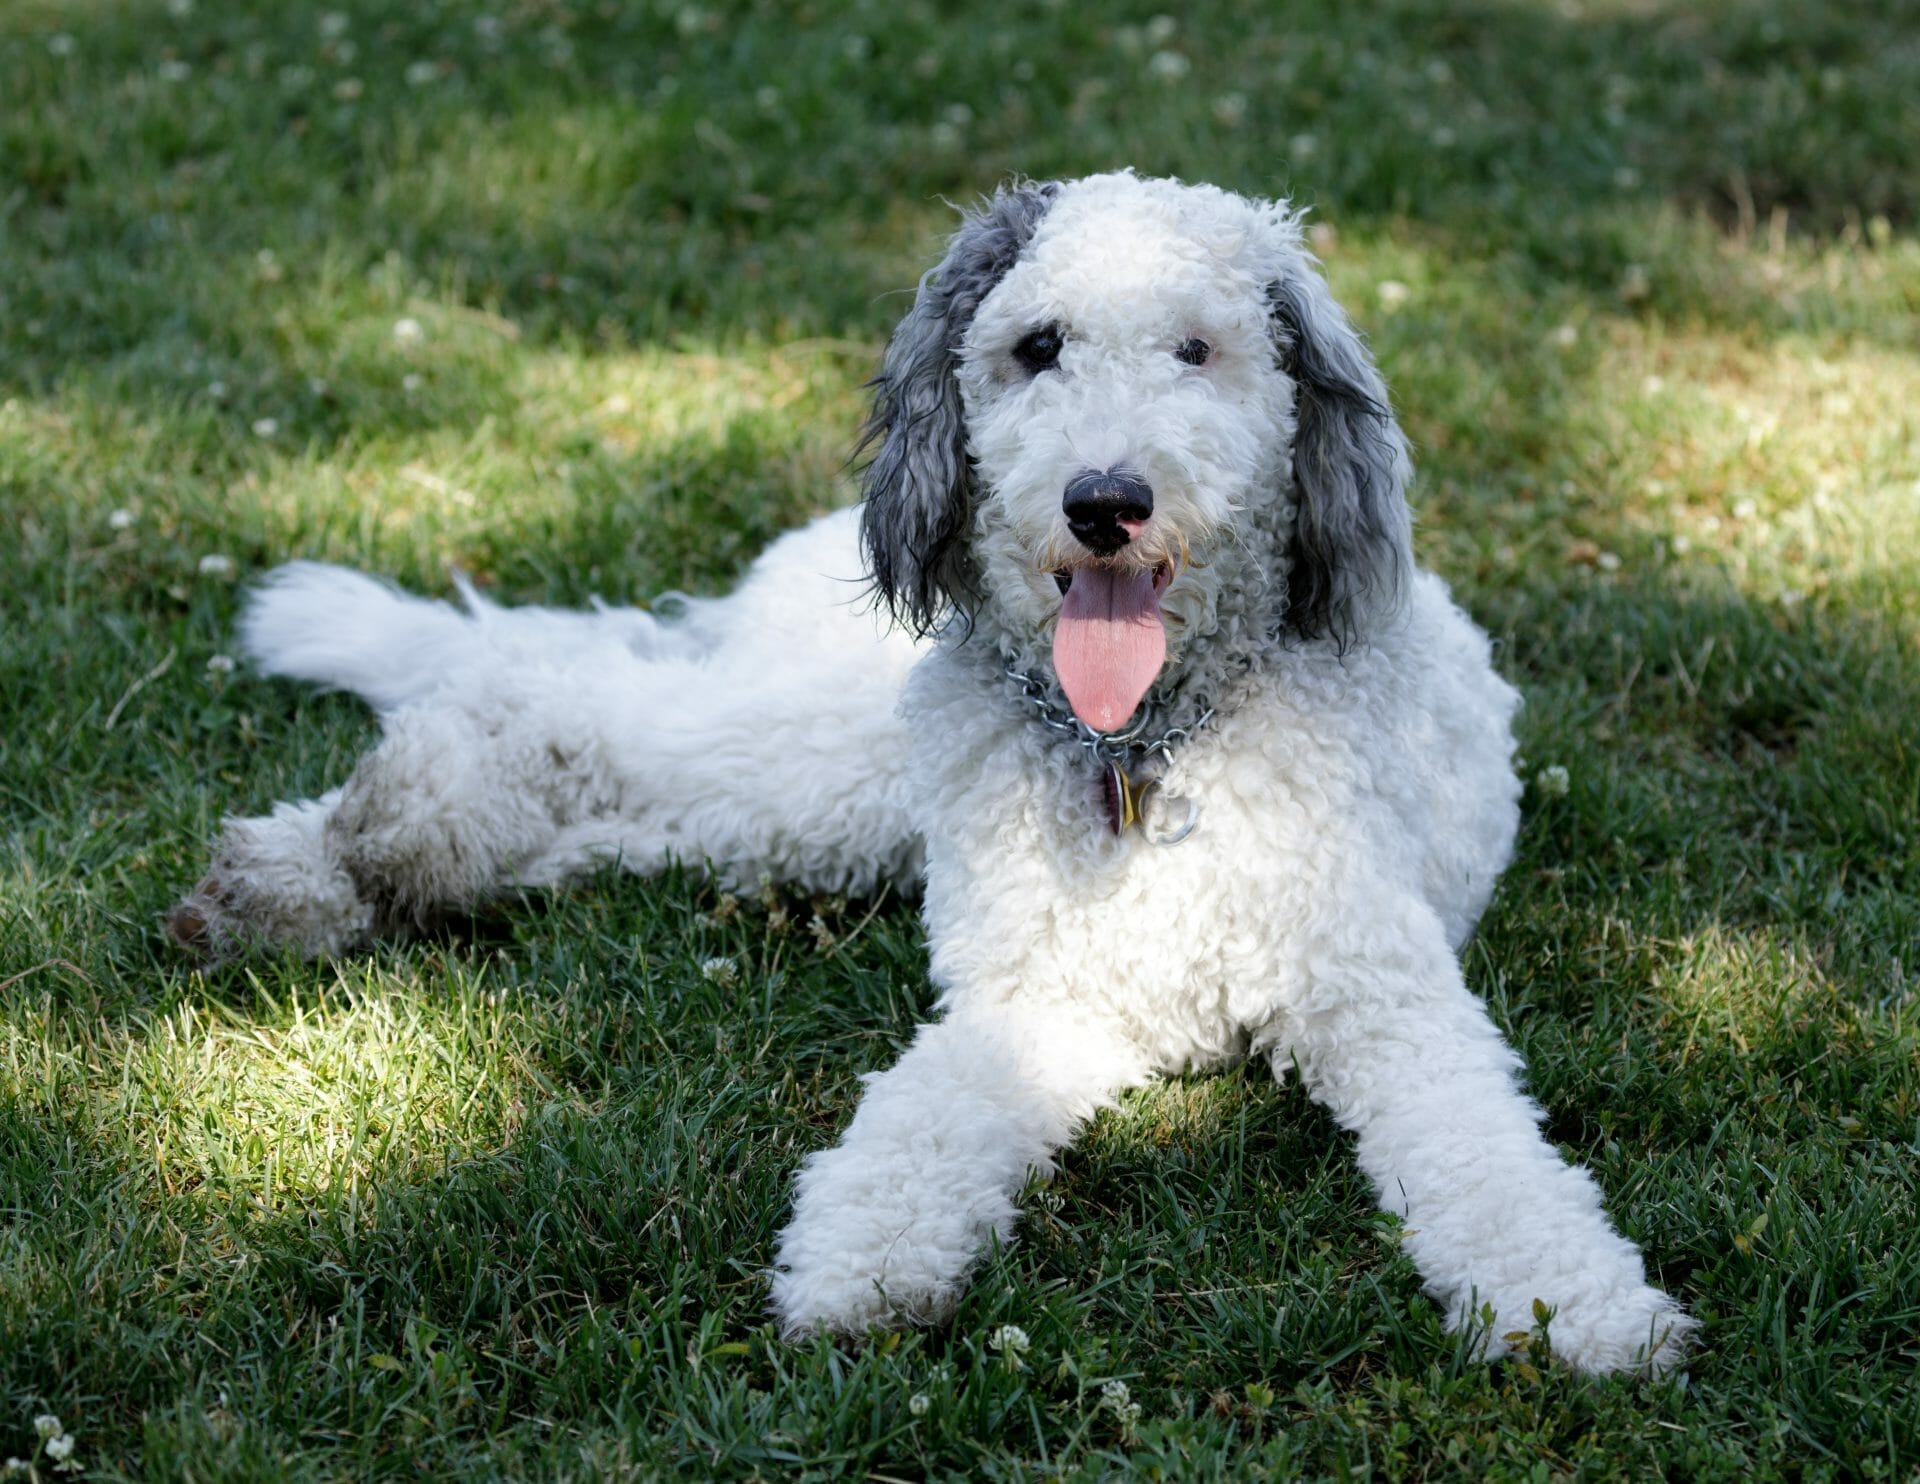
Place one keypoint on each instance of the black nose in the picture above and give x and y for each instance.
(1096, 503)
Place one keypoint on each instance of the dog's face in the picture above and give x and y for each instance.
(1124, 418)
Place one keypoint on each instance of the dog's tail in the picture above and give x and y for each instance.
(347, 631)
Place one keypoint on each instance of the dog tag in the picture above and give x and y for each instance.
(1122, 799)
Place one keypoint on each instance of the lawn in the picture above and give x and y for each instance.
(579, 298)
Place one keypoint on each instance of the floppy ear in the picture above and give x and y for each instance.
(1352, 544)
(918, 483)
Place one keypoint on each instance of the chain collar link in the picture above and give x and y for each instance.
(1106, 747)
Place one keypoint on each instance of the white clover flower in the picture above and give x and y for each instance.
(60, 1449)
(1230, 110)
(1565, 337)
(419, 74)
(319, 386)
(1608, 561)
(1792, 597)
(767, 97)
(1393, 294)
(1009, 1339)
(919, 1404)
(47, 1425)
(1116, 1398)
(348, 89)
(220, 664)
(1553, 782)
(1168, 66)
(945, 135)
(61, 44)
(487, 27)
(266, 427)
(1626, 178)
(1442, 137)
(214, 564)
(1303, 147)
(724, 972)
(1745, 509)
(16, 1465)
(959, 115)
(174, 70)
(334, 24)
(180, 9)
(1160, 30)
(412, 382)
(120, 520)
(408, 331)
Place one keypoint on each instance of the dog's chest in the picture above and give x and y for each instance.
(1031, 894)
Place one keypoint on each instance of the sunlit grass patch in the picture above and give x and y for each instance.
(1739, 988)
(269, 1109)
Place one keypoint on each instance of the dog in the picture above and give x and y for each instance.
(1190, 762)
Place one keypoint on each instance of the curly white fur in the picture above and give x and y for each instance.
(1354, 783)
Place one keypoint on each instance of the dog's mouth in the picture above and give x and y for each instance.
(1110, 641)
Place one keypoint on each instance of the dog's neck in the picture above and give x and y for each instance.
(1215, 651)
(1207, 679)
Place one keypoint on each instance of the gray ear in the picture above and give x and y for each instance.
(918, 483)
(1352, 538)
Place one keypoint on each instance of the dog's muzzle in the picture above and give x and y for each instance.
(1105, 509)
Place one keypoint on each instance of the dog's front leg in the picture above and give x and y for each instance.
(1390, 1039)
(887, 1225)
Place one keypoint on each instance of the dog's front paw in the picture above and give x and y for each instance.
(849, 1297)
(1632, 1328)
(877, 1246)
(858, 1271)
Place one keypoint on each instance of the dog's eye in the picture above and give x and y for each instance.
(1039, 351)
(1195, 352)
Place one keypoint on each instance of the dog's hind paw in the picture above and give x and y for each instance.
(273, 886)
(196, 923)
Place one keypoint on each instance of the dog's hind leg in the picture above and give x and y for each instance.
(435, 818)
(888, 1225)
(756, 733)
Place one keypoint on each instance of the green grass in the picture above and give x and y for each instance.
(1644, 278)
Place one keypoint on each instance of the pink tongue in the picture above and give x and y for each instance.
(1109, 644)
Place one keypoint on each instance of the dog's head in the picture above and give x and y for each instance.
(1125, 421)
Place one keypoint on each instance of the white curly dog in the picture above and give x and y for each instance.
(1190, 760)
